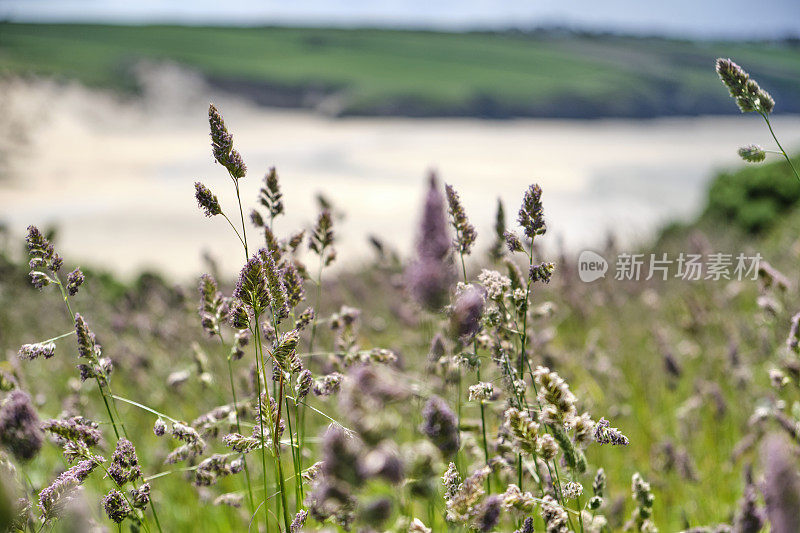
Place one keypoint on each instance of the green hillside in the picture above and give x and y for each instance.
(415, 73)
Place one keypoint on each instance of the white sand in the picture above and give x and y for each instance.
(117, 175)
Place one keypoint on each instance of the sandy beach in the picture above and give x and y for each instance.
(116, 174)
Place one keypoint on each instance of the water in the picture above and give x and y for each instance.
(116, 176)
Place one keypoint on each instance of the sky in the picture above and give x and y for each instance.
(683, 18)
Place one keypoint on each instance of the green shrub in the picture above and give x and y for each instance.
(754, 197)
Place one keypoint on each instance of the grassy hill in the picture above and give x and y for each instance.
(416, 73)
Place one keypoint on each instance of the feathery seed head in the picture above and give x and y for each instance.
(531, 214)
(116, 506)
(74, 280)
(19, 426)
(206, 200)
(465, 232)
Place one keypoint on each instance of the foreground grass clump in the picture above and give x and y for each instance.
(476, 387)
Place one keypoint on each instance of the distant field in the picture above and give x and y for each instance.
(414, 73)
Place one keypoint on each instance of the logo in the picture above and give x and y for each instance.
(591, 266)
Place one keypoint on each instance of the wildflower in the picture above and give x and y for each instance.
(214, 467)
(222, 144)
(554, 516)
(239, 317)
(749, 516)
(43, 256)
(496, 252)
(239, 443)
(278, 300)
(230, 499)
(74, 280)
(483, 392)
(53, 497)
(124, 466)
(644, 498)
(752, 153)
(514, 498)
(298, 521)
(328, 384)
(185, 433)
(463, 503)
(304, 319)
(555, 391)
(489, 514)
(781, 486)
(252, 285)
(496, 284)
(418, 526)
(293, 285)
(19, 426)
(270, 195)
(527, 526)
(440, 426)
(140, 497)
(572, 490)
(465, 232)
(466, 313)
(546, 447)
(605, 434)
(116, 506)
(541, 272)
(451, 480)
(531, 214)
(321, 237)
(747, 93)
(512, 242)
(206, 200)
(341, 457)
(160, 428)
(76, 429)
(523, 429)
(430, 275)
(33, 351)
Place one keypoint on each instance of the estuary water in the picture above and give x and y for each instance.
(116, 175)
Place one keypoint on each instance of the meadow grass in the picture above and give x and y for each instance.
(477, 386)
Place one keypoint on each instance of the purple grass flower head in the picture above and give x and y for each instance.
(221, 139)
(752, 153)
(140, 497)
(43, 257)
(605, 434)
(512, 242)
(341, 457)
(746, 91)
(206, 200)
(749, 516)
(239, 318)
(39, 349)
(124, 466)
(74, 280)
(298, 521)
(466, 313)
(278, 300)
(252, 285)
(327, 384)
(231, 499)
(293, 284)
(213, 309)
(430, 275)
(304, 383)
(781, 485)
(497, 251)
(527, 526)
(541, 272)
(285, 352)
(20, 431)
(270, 195)
(489, 514)
(554, 516)
(531, 214)
(321, 239)
(116, 506)
(236, 166)
(439, 424)
(465, 232)
(53, 498)
(76, 429)
(160, 428)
